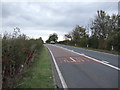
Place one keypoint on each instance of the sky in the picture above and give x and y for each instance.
(40, 19)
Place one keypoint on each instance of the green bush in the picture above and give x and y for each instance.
(17, 52)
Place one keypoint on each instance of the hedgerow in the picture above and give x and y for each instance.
(17, 52)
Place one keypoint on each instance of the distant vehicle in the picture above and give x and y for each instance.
(52, 42)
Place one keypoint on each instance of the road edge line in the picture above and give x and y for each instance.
(58, 71)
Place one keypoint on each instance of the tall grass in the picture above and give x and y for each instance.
(17, 52)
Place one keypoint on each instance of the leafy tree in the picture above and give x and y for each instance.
(52, 37)
(78, 34)
(68, 36)
(93, 42)
(105, 33)
(104, 27)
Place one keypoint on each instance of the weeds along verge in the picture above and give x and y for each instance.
(18, 51)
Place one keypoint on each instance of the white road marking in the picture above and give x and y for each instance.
(82, 54)
(82, 60)
(105, 61)
(72, 59)
(72, 50)
(65, 61)
(112, 66)
(79, 60)
(58, 70)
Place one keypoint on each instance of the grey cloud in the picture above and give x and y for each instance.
(52, 16)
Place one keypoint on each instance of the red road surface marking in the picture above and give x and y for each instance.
(85, 58)
(78, 59)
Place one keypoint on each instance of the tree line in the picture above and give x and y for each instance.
(105, 33)
(18, 51)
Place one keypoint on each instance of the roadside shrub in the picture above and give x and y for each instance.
(17, 52)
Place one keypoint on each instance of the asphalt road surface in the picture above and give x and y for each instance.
(81, 68)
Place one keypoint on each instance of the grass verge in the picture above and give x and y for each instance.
(39, 73)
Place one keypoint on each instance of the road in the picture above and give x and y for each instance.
(81, 68)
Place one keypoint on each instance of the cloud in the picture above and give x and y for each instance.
(49, 17)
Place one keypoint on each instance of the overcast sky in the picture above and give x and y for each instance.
(38, 19)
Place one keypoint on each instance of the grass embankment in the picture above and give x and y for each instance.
(39, 74)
